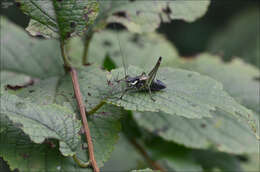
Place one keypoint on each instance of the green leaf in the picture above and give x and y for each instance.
(145, 16)
(67, 18)
(136, 48)
(221, 132)
(251, 163)
(104, 125)
(145, 170)
(43, 121)
(230, 75)
(134, 159)
(178, 157)
(188, 94)
(22, 154)
(238, 38)
(218, 161)
(13, 79)
(24, 54)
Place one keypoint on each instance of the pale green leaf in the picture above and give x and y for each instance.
(188, 94)
(13, 79)
(66, 18)
(135, 48)
(221, 132)
(104, 125)
(238, 78)
(146, 16)
(43, 121)
(24, 54)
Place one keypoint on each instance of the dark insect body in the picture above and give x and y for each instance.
(145, 82)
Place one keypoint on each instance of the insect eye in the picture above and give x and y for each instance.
(133, 83)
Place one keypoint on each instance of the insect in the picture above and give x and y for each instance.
(144, 82)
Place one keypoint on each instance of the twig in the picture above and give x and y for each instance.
(152, 163)
(78, 95)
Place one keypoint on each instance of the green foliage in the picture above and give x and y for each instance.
(239, 38)
(199, 110)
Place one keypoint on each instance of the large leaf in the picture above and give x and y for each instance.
(104, 125)
(238, 38)
(238, 78)
(43, 121)
(145, 16)
(222, 132)
(188, 94)
(64, 18)
(20, 153)
(24, 54)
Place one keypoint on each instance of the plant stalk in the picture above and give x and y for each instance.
(142, 151)
(78, 95)
(86, 48)
(64, 55)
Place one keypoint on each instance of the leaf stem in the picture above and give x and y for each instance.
(92, 111)
(80, 163)
(78, 95)
(86, 48)
(64, 55)
(142, 151)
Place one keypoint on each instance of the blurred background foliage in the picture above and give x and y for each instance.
(229, 29)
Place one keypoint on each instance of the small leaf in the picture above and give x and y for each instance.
(26, 55)
(42, 122)
(64, 18)
(75, 17)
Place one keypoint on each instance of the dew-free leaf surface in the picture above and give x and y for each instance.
(146, 16)
(221, 132)
(43, 121)
(24, 54)
(59, 18)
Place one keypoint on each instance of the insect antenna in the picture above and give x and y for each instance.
(121, 51)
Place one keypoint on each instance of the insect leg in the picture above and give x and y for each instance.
(150, 93)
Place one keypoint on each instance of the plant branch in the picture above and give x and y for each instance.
(84, 118)
(86, 47)
(142, 151)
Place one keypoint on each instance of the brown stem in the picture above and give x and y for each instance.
(152, 163)
(78, 95)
